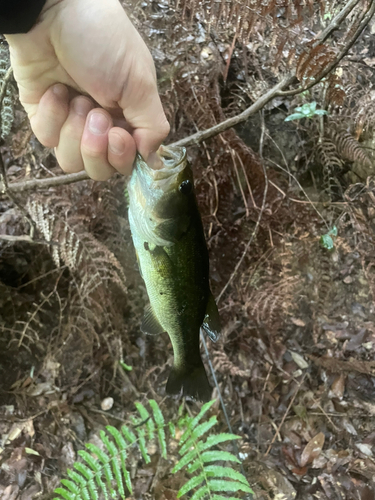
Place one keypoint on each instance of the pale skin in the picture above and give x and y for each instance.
(87, 82)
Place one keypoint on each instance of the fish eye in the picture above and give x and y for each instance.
(186, 187)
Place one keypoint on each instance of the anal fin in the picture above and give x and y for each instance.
(150, 323)
(211, 323)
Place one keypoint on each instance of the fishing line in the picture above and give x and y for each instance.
(223, 407)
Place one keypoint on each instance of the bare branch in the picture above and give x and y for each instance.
(46, 183)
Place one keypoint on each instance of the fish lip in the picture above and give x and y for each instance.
(173, 159)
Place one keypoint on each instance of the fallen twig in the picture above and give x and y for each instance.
(23, 237)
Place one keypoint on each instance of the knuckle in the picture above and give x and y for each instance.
(164, 128)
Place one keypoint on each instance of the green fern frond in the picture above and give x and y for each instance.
(103, 470)
(160, 423)
(198, 456)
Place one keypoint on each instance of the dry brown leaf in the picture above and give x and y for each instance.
(338, 386)
(313, 449)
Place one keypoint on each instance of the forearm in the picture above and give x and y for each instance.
(19, 16)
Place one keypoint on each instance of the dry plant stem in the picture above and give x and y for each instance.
(198, 137)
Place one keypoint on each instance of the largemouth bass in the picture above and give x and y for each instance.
(173, 259)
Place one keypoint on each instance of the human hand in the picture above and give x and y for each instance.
(88, 84)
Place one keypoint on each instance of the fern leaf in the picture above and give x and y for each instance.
(142, 445)
(158, 416)
(108, 444)
(121, 444)
(192, 483)
(118, 476)
(67, 495)
(91, 461)
(70, 485)
(83, 469)
(198, 433)
(222, 485)
(145, 416)
(160, 422)
(104, 459)
(142, 411)
(95, 466)
(194, 422)
(217, 439)
(213, 456)
(97, 451)
(219, 471)
(128, 434)
(115, 468)
(194, 466)
(117, 436)
(93, 490)
(201, 493)
(185, 460)
(84, 494)
(172, 430)
(86, 477)
(77, 478)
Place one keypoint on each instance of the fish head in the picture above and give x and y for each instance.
(161, 201)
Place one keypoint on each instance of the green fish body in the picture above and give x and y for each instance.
(173, 259)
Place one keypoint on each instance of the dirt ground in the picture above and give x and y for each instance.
(296, 359)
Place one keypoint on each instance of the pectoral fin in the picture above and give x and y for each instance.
(172, 229)
(211, 323)
(150, 324)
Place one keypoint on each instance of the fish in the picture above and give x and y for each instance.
(172, 255)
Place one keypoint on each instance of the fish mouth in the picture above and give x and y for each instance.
(173, 159)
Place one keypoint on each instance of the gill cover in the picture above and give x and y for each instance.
(160, 200)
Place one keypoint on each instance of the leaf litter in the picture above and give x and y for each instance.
(296, 362)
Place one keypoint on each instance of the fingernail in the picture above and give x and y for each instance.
(98, 124)
(116, 144)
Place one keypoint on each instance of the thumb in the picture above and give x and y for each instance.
(143, 111)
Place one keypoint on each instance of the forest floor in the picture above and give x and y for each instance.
(296, 359)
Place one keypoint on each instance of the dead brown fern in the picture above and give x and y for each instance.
(249, 16)
(335, 93)
(311, 63)
(73, 245)
(347, 146)
(225, 366)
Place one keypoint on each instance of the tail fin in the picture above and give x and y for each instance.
(192, 380)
